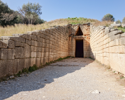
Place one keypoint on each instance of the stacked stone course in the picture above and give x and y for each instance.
(33, 48)
(20, 51)
(108, 47)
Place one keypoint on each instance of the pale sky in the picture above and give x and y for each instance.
(56, 9)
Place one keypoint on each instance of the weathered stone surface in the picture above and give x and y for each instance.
(27, 51)
(39, 38)
(123, 25)
(108, 49)
(39, 49)
(19, 39)
(34, 37)
(7, 54)
(33, 48)
(38, 54)
(3, 68)
(20, 63)
(107, 30)
(33, 54)
(34, 43)
(39, 44)
(122, 41)
(23, 50)
(19, 52)
(8, 43)
(19, 44)
(28, 42)
(115, 25)
(27, 63)
(33, 61)
(3, 45)
(38, 62)
(11, 67)
(7, 67)
(11, 44)
(26, 36)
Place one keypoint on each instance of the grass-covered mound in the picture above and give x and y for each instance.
(21, 28)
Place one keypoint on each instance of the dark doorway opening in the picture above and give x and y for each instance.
(79, 32)
(79, 48)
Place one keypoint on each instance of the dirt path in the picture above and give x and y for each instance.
(70, 79)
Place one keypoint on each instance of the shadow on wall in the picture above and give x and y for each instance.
(38, 79)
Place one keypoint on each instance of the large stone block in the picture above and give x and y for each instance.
(33, 61)
(19, 44)
(3, 45)
(33, 48)
(11, 67)
(27, 51)
(7, 67)
(38, 54)
(27, 63)
(29, 42)
(3, 68)
(107, 30)
(20, 63)
(19, 52)
(41, 61)
(11, 44)
(39, 44)
(38, 62)
(39, 39)
(39, 49)
(7, 54)
(34, 43)
(34, 37)
(33, 54)
(122, 41)
(19, 39)
(26, 36)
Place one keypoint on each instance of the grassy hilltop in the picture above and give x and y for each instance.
(21, 28)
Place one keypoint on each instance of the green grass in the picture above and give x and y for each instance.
(79, 20)
(121, 28)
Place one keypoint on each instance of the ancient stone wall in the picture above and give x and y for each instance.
(38, 47)
(108, 47)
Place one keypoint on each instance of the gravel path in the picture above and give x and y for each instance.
(70, 79)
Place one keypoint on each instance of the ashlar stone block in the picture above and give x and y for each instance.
(19, 52)
(7, 54)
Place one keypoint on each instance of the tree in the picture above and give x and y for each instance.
(118, 22)
(108, 17)
(39, 21)
(7, 16)
(123, 21)
(30, 12)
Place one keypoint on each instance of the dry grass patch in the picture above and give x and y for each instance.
(21, 28)
(103, 23)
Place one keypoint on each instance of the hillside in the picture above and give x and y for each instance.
(20, 29)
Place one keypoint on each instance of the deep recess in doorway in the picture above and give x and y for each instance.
(79, 48)
(79, 32)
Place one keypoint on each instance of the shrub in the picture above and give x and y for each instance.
(123, 21)
(118, 22)
(108, 17)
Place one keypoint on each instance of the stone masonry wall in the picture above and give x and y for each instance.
(86, 39)
(108, 47)
(38, 47)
